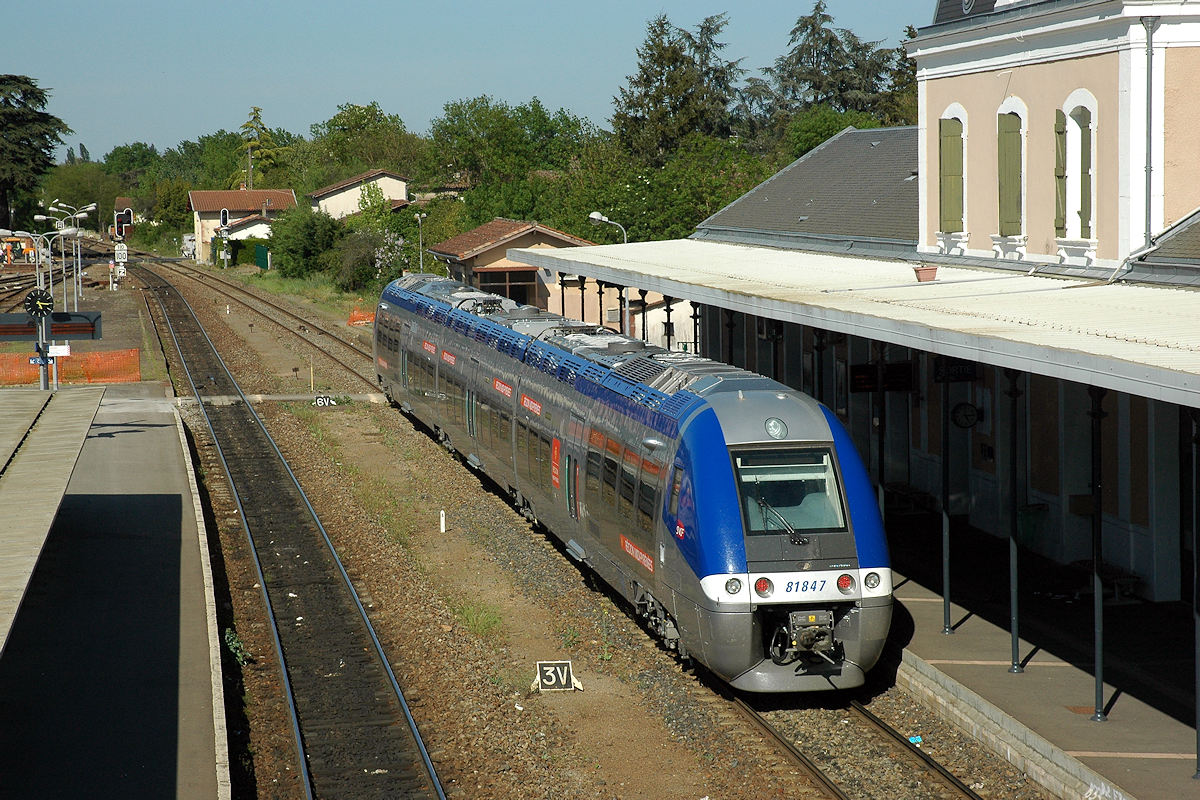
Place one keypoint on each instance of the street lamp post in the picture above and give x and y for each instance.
(420, 238)
(46, 240)
(597, 218)
(76, 214)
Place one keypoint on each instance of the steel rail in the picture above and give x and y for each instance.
(369, 628)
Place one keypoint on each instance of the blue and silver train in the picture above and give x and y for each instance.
(731, 511)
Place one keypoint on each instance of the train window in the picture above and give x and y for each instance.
(611, 469)
(647, 486)
(629, 467)
(523, 448)
(505, 430)
(789, 489)
(676, 486)
(594, 462)
(543, 460)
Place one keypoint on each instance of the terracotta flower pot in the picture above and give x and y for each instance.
(925, 273)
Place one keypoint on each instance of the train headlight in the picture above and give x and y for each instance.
(872, 580)
(776, 428)
(733, 585)
(763, 587)
(845, 583)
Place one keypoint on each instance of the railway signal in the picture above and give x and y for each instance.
(121, 220)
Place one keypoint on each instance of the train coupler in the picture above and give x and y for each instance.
(805, 632)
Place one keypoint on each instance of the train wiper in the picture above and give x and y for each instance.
(795, 538)
(765, 506)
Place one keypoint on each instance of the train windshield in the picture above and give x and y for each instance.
(789, 490)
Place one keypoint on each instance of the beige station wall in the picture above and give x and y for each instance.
(1181, 125)
(1043, 88)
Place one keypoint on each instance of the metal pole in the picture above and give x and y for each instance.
(582, 309)
(946, 508)
(1014, 394)
(1195, 415)
(600, 302)
(642, 294)
(1097, 415)
(696, 328)
(668, 302)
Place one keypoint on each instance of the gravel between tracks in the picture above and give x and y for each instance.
(465, 614)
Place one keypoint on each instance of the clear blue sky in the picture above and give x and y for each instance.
(164, 72)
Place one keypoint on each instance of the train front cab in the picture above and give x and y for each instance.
(795, 593)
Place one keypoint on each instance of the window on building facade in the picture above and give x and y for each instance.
(1008, 170)
(1073, 174)
(950, 175)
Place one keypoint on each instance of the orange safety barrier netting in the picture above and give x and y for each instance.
(360, 317)
(107, 366)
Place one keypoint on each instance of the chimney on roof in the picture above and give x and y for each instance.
(243, 187)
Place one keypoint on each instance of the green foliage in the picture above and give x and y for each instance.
(479, 618)
(681, 87)
(171, 203)
(369, 257)
(28, 136)
(241, 251)
(79, 184)
(482, 140)
(262, 151)
(130, 162)
(812, 127)
(300, 238)
(362, 137)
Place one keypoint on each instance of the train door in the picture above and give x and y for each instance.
(574, 447)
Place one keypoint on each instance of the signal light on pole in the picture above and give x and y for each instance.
(122, 220)
(224, 217)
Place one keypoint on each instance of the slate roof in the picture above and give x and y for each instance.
(495, 233)
(370, 175)
(858, 190)
(236, 200)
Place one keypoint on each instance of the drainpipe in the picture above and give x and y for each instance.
(1150, 24)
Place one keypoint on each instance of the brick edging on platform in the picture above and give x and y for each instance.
(1043, 761)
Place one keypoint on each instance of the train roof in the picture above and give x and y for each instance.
(664, 381)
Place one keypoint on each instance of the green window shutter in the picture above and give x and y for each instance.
(1060, 174)
(1085, 172)
(950, 175)
(1009, 173)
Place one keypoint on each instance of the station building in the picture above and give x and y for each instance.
(999, 301)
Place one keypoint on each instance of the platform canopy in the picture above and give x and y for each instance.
(1142, 340)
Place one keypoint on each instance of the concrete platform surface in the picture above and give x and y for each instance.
(110, 682)
(1041, 719)
(40, 438)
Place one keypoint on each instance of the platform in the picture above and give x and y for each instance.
(41, 435)
(1041, 718)
(110, 681)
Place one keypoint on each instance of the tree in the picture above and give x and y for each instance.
(171, 203)
(81, 183)
(362, 137)
(301, 238)
(681, 87)
(825, 66)
(813, 126)
(482, 140)
(130, 162)
(259, 143)
(84, 155)
(899, 103)
(28, 136)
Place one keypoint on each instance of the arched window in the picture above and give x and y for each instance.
(1074, 137)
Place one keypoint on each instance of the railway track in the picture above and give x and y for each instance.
(777, 725)
(935, 780)
(352, 357)
(354, 733)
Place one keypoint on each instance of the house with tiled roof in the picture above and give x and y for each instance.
(340, 199)
(206, 207)
(479, 257)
